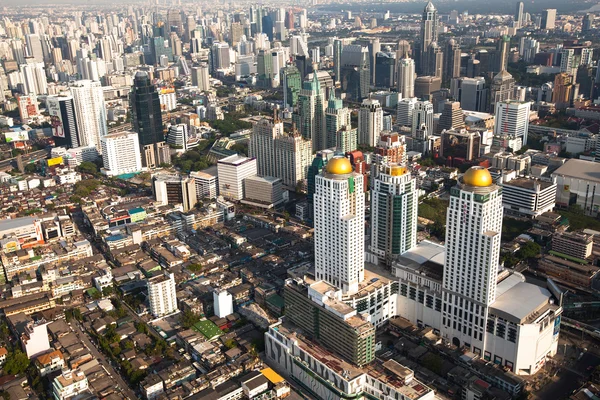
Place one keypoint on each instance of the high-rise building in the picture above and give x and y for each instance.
(528, 48)
(422, 117)
(406, 77)
(426, 85)
(562, 94)
(339, 225)
(435, 61)
(403, 49)
(219, 56)
(206, 183)
(503, 88)
(267, 26)
(174, 21)
(548, 18)
(452, 116)
(90, 112)
(502, 52)
(121, 153)
(512, 119)
(355, 71)
(394, 203)
(567, 61)
(337, 118)
(310, 116)
(473, 230)
(405, 110)
(429, 33)
(201, 77)
(162, 294)
(292, 84)
(28, 107)
(587, 23)
(223, 303)
(459, 145)
(262, 145)
(385, 68)
(63, 120)
(337, 59)
(34, 47)
(370, 122)
(174, 189)
(519, 15)
(472, 93)
(232, 171)
(452, 58)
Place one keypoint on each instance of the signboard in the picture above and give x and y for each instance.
(16, 136)
(55, 161)
(56, 122)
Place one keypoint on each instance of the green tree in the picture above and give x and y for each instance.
(88, 167)
(230, 343)
(107, 291)
(528, 250)
(16, 363)
(30, 168)
(195, 268)
(189, 319)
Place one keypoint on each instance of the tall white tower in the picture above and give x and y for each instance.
(394, 203)
(406, 77)
(370, 122)
(422, 115)
(88, 100)
(512, 119)
(473, 229)
(339, 203)
(161, 294)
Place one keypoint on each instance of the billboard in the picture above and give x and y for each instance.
(18, 136)
(55, 161)
(53, 105)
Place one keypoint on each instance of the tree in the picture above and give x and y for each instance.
(189, 319)
(30, 168)
(230, 343)
(16, 363)
(529, 250)
(107, 291)
(195, 267)
(88, 167)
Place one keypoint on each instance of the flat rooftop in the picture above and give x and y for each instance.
(579, 169)
(235, 159)
(529, 184)
(517, 300)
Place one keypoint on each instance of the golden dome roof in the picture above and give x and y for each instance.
(477, 176)
(339, 166)
(396, 170)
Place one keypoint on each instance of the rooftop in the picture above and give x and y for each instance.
(235, 159)
(579, 169)
(529, 184)
(517, 300)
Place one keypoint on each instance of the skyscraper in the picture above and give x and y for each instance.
(519, 15)
(310, 117)
(406, 108)
(422, 117)
(548, 18)
(262, 145)
(435, 61)
(512, 119)
(587, 23)
(502, 49)
(452, 116)
(406, 77)
(370, 122)
(355, 71)
(339, 225)
(292, 84)
(63, 120)
(385, 67)
(503, 86)
(562, 94)
(200, 77)
(394, 202)
(337, 117)
(121, 153)
(90, 112)
(473, 229)
(429, 32)
(472, 93)
(147, 119)
(451, 61)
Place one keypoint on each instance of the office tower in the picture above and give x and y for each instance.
(587, 55)
(473, 229)
(587, 23)
(177, 136)
(503, 87)
(235, 34)
(512, 119)
(519, 22)
(264, 68)
(159, 50)
(262, 145)
(121, 153)
(232, 171)
(174, 22)
(452, 116)
(459, 145)
(451, 61)
(175, 44)
(90, 112)
(426, 85)
(406, 77)
(219, 56)
(337, 117)
(190, 27)
(162, 294)
(528, 48)
(472, 93)
(175, 190)
(355, 72)
(34, 47)
(146, 118)
(422, 118)
(292, 84)
(289, 19)
(385, 68)
(370, 122)
(502, 50)
(567, 61)
(310, 117)
(325, 80)
(429, 33)
(337, 59)
(63, 120)
(339, 225)
(373, 46)
(268, 26)
(201, 77)
(298, 46)
(394, 203)
(34, 78)
(403, 50)
(405, 110)
(293, 156)
(548, 18)
(435, 61)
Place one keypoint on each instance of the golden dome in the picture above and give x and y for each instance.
(339, 166)
(477, 176)
(396, 170)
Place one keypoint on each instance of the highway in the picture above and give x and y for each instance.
(11, 163)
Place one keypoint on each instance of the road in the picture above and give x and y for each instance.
(130, 394)
(33, 156)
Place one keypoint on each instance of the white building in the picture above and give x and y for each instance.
(232, 171)
(394, 203)
(200, 77)
(206, 183)
(579, 180)
(339, 225)
(370, 122)
(512, 119)
(527, 197)
(69, 384)
(223, 303)
(177, 137)
(121, 153)
(422, 117)
(90, 112)
(34, 338)
(161, 295)
(406, 77)
(406, 107)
